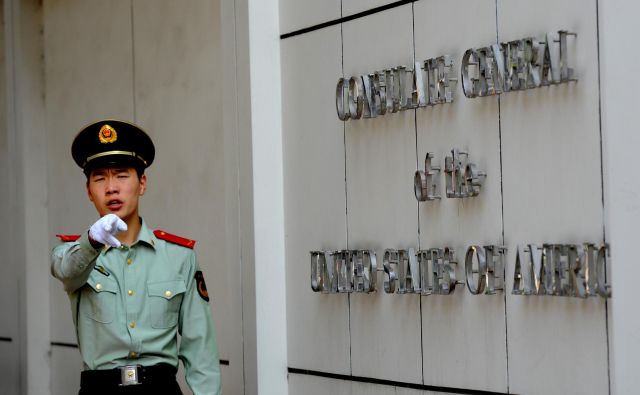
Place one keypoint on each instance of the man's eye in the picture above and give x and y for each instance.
(98, 179)
(123, 176)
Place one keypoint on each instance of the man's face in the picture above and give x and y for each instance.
(116, 190)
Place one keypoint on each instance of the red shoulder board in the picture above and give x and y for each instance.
(161, 234)
(66, 238)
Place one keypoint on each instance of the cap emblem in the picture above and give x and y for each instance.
(107, 134)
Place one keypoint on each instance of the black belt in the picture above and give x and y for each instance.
(128, 375)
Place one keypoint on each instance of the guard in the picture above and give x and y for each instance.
(133, 290)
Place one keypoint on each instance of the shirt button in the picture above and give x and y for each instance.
(129, 261)
(130, 292)
(167, 294)
(98, 286)
(133, 354)
(132, 324)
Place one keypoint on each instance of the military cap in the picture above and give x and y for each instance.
(112, 142)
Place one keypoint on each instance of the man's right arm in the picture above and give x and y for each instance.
(72, 263)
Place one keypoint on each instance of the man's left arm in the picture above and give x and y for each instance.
(198, 348)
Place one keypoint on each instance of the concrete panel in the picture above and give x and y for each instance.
(376, 389)
(66, 365)
(298, 14)
(460, 332)
(313, 385)
(551, 164)
(313, 144)
(89, 75)
(180, 104)
(381, 209)
(62, 329)
(9, 366)
(350, 7)
(10, 268)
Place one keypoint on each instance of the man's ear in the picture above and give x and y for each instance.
(143, 184)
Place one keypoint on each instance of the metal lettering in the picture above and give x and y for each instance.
(342, 95)
(425, 183)
(423, 263)
(356, 98)
(318, 264)
(557, 254)
(485, 274)
(390, 265)
(470, 73)
(576, 261)
(517, 65)
(344, 270)
(392, 103)
(323, 274)
(566, 72)
(560, 270)
(572, 270)
(602, 288)
(514, 64)
(370, 108)
(530, 71)
(412, 280)
(365, 269)
(390, 90)
(528, 273)
(476, 273)
(491, 71)
(400, 79)
(443, 269)
(380, 88)
(463, 180)
(439, 83)
(418, 98)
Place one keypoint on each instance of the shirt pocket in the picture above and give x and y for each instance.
(101, 298)
(165, 298)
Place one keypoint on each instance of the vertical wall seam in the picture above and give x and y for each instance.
(504, 291)
(415, 127)
(133, 65)
(604, 222)
(346, 193)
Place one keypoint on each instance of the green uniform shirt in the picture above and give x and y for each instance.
(130, 302)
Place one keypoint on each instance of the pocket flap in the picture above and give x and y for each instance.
(102, 284)
(166, 289)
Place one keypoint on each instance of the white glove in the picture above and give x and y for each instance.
(105, 229)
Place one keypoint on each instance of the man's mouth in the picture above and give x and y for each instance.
(114, 205)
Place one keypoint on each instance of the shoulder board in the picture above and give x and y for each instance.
(161, 234)
(66, 238)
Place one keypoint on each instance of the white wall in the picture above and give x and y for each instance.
(620, 137)
(158, 64)
(26, 198)
(9, 345)
(350, 185)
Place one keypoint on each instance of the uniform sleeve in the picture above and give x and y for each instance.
(198, 348)
(72, 263)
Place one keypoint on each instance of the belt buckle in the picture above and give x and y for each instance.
(129, 375)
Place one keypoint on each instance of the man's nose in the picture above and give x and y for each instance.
(112, 186)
